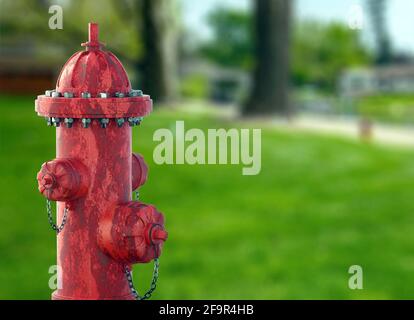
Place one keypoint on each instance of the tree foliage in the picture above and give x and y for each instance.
(121, 34)
(231, 44)
(320, 51)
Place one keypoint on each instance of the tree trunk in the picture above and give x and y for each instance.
(158, 66)
(378, 11)
(270, 87)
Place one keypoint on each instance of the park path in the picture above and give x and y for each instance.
(395, 135)
(387, 134)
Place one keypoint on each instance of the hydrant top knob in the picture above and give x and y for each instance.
(93, 42)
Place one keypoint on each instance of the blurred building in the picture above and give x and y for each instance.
(385, 79)
(22, 71)
(224, 84)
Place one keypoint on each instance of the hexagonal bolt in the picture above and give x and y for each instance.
(119, 94)
(103, 95)
(134, 121)
(120, 122)
(48, 93)
(86, 122)
(69, 122)
(85, 95)
(49, 121)
(68, 94)
(55, 94)
(56, 122)
(104, 122)
(131, 121)
(136, 93)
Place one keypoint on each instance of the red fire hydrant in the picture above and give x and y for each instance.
(102, 232)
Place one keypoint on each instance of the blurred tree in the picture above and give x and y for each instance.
(270, 88)
(322, 51)
(142, 33)
(319, 53)
(159, 64)
(158, 27)
(377, 10)
(33, 30)
(231, 45)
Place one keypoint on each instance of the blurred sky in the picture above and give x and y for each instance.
(399, 15)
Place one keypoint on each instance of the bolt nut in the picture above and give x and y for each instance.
(134, 121)
(135, 93)
(55, 94)
(48, 121)
(104, 122)
(120, 122)
(119, 95)
(48, 93)
(68, 94)
(103, 95)
(56, 122)
(131, 121)
(69, 122)
(86, 122)
(85, 95)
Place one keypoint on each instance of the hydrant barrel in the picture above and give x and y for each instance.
(108, 157)
(92, 178)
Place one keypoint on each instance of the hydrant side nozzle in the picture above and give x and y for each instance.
(62, 180)
(128, 233)
(139, 171)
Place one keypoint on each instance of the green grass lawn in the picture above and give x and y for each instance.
(320, 205)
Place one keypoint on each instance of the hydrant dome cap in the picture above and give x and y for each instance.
(93, 84)
(93, 71)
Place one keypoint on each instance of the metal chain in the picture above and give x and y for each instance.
(154, 280)
(56, 228)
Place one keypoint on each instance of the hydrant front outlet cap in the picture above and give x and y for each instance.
(138, 236)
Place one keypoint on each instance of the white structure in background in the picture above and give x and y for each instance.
(387, 79)
(356, 17)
